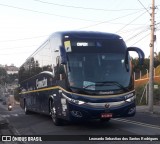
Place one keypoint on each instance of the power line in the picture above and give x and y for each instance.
(130, 22)
(133, 29)
(141, 39)
(146, 29)
(144, 6)
(48, 13)
(18, 47)
(84, 8)
(158, 28)
(76, 29)
(109, 21)
(16, 53)
(23, 38)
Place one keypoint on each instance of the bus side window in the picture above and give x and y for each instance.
(56, 68)
(59, 69)
(57, 60)
(62, 72)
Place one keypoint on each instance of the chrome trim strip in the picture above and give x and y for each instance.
(102, 105)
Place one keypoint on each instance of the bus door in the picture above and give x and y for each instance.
(60, 101)
(62, 106)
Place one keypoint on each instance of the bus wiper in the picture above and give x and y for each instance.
(109, 83)
(79, 89)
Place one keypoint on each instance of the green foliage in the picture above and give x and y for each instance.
(157, 95)
(12, 78)
(158, 70)
(3, 76)
(139, 92)
(145, 65)
(16, 94)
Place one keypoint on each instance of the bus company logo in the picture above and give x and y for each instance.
(41, 83)
(106, 92)
(107, 105)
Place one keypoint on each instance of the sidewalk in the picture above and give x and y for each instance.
(144, 108)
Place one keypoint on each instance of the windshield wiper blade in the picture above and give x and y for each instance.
(76, 88)
(81, 90)
(89, 86)
(112, 83)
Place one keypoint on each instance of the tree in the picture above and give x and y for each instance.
(12, 78)
(3, 76)
(156, 59)
(157, 56)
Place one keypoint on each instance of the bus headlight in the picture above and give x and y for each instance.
(77, 101)
(73, 100)
(131, 99)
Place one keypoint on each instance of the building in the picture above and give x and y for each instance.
(11, 69)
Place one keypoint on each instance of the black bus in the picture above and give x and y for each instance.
(78, 75)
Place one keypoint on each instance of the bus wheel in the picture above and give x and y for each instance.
(56, 120)
(25, 109)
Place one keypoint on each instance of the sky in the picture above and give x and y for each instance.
(26, 24)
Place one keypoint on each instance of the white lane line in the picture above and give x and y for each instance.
(138, 123)
(5, 116)
(10, 115)
(16, 115)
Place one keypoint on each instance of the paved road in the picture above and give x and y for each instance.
(37, 124)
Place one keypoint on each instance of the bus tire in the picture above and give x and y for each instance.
(56, 121)
(26, 109)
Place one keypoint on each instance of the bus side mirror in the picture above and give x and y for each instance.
(140, 53)
(63, 59)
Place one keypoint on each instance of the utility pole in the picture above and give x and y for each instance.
(151, 68)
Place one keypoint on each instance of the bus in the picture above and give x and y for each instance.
(80, 76)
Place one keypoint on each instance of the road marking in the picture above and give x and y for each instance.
(5, 116)
(16, 115)
(11, 115)
(138, 123)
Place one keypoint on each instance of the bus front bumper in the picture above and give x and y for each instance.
(101, 110)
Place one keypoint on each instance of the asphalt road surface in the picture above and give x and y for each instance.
(96, 132)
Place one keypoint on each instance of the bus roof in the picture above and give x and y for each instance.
(87, 34)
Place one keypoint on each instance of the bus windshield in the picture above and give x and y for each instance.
(98, 71)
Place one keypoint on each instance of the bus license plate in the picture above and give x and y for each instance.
(106, 115)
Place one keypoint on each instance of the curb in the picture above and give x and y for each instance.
(145, 109)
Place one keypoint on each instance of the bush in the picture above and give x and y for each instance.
(139, 91)
(157, 95)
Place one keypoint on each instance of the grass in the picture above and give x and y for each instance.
(144, 79)
(140, 86)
